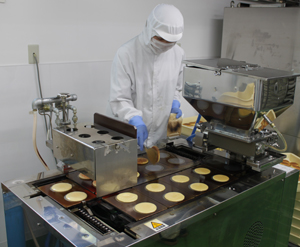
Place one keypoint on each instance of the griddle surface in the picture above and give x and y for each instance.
(59, 196)
(128, 208)
(87, 184)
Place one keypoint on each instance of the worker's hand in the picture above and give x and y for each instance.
(176, 109)
(142, 132)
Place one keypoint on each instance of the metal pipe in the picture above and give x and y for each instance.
(39, 102)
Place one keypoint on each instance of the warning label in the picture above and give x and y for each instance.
(156, 225)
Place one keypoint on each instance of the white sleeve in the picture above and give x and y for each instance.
(120, 98)
(178, 91)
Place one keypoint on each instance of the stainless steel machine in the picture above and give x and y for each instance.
(253, 206)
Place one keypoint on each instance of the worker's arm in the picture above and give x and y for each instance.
(120, 90)
(177, 96)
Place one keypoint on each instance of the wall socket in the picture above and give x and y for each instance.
(33, 49)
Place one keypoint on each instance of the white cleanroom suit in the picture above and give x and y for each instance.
(145, 77)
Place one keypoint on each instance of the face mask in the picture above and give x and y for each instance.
(159, 47)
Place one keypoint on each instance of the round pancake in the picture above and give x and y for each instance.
(155, 187)
(180, 179)
(199, 186)
(174, 197)
(176, 161)
(145, 208)
(76, 196)
(153, 154)
(286, 163)
(295, 165)
(202, 171)
(61, 187)
(220, 178)
(94, 183)
(127, 197)
(83, 177)
(142, 161)
(137, 174)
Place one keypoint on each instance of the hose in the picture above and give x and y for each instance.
(40, 88)
(278, 133)
(281, 137)
(34, 140)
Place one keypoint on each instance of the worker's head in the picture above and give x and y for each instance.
(167, 21)
(164, 25)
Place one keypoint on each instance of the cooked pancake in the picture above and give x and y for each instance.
(202, 171)
(153, 154)
(142, 161)
(174, 197)
(199, 186)
(155, 187)
(145, 208)
(295, 165)
(127, 197)
(137, 174)
(180, 179)
(82, 176)
(94, 183)
(221, 178)
(61, 187)
(76, 196)
(286, 163)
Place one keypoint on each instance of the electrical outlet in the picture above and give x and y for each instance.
(33, 49)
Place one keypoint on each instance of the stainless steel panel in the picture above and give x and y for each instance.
(102, 154)
(269, 37)
(212, 88)
(227, 204)
(219, 88)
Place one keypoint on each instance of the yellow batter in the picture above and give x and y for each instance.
(174, 197)
(61, 187)
(199, 187)
(75, 196)
(127, 197)
(202, 171)
(220, 178)
(145, 207)
(180, 179)
(155, 187)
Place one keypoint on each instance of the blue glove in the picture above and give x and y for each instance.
(176, 109)
(142, 132)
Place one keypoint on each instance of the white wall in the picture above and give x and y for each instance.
(77, 40)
